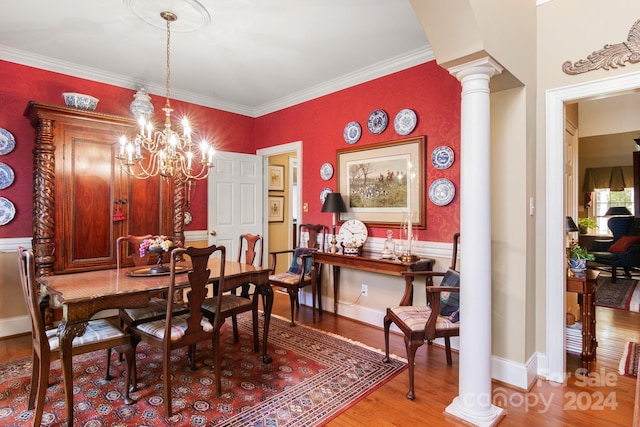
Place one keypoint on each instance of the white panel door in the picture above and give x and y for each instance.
(234, 199)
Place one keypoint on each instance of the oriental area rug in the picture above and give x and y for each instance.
(314, 377)
(624, 294)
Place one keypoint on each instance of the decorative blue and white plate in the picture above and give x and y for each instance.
(405, 122)
(352, 132)
(326, 171)
(7, 142)
(7, 211)
(6, 176)
(377, 122)
(323, 194)
(442, 192)
(442, 157)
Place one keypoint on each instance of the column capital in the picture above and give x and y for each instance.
(486, 65)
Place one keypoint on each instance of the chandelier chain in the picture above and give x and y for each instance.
(168, 57)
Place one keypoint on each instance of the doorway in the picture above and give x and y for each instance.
(289, 150)
(555, 205)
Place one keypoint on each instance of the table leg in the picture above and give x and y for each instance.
(66, 334)
(336, 287)
(267, 292)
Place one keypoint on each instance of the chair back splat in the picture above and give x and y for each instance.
(231, 303)
(439, 318)
(178, 329)
(255, 247)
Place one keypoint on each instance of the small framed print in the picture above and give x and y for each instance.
(276, 177)
(276, 208)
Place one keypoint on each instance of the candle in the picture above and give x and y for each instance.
(409, 231)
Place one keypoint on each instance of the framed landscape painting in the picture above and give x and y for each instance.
(382, 183)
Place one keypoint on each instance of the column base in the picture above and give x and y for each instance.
(485, 419)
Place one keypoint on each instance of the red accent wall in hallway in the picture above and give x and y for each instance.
(427, 89)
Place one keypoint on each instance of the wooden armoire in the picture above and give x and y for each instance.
(78, 186)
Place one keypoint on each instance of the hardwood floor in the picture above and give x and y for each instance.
(603, 399)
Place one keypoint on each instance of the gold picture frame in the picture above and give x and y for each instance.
(373, 181)
(276, 208)
(276, 177)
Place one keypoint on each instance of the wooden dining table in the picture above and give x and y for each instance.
(82, 295)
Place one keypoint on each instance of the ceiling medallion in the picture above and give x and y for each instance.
(193, 15)
(610, 56)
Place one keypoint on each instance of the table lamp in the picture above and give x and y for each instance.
(334, 204)
(570, 227)
(618, 211)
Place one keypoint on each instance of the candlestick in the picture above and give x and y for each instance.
(409, 224)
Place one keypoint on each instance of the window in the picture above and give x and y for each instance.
(604, 199)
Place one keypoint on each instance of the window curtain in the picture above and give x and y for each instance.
(615, 178)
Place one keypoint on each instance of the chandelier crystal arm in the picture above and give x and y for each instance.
(165, 152)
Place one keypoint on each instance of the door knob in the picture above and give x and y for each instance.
(213, 232)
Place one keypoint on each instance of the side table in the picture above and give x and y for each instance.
(584, 284)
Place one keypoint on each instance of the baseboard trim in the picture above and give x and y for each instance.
(14, 326)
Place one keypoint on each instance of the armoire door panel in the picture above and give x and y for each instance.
(88, 189)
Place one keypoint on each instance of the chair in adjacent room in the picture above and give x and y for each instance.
(623, 250)
(99, 335)
(440, 318)
(185, 330)
(232, 304)
(302, 271)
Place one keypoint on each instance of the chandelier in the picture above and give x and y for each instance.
(169, 153)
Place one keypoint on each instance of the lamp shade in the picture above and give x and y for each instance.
(570, 225)
(618, 211)
(334, 203)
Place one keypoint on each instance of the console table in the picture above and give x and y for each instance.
(372, 262)
(584, 284)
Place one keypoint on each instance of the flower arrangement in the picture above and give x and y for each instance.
(159, 242)
(352, 244)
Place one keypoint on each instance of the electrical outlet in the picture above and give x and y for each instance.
(365, 290)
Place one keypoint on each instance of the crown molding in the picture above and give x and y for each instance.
(380, 69)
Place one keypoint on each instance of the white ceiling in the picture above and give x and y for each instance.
(251, 57)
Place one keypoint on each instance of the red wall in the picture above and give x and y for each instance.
(427, 89)
(228, 131)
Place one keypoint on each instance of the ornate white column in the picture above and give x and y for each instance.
(473, 404)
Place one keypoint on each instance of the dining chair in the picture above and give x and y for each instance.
(157, 307)
(233, 304)
(439, 318)
(302, 271)
(185, 330)
(99, 335)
